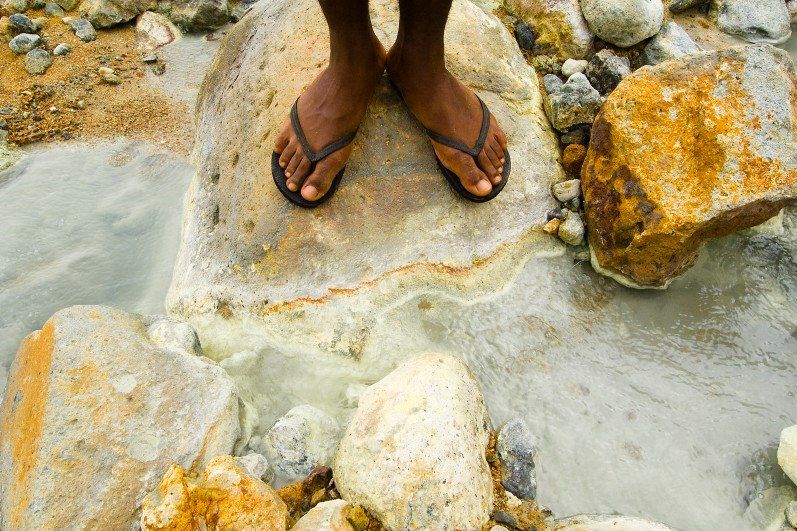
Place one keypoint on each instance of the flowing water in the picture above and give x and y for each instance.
(666, 405)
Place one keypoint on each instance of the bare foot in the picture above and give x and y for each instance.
(331, 108)
(444, 105)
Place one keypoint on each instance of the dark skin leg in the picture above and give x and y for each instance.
(335, 103)
(416, 65)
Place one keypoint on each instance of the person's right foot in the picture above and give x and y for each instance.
(331, 108)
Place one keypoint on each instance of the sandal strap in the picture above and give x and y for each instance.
(326, 150)
(456, 144)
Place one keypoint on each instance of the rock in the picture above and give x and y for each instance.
(256, 465)
(768, 511)
(303, 438)
(576, 102)
(556, 213)
(62, 49)
(242, 240)
(516, 448)
(103, 406)
(572, 159)
(326, 516)
(525, 36)
(599, 522)
(623, 23)
(791, 5)
(552, 226)
(67, 5)
(559, 26)
(197, 15)
(224, 496)
(758, 21)
(24, 42)
(353, 393)
(423, 431)
(686, 151)
(39, 22)
(678, 6)
(37, 61)
(154, 30)
(239, 11)
(108, 75)
(9, 7)
(791, 513)
(572, 66)
(107, 13)
(83, 29)
(552, 83)
(787, 452)
(605, 70)
(567, 190)
(571, 231)
(299, 495)
(54, 10)
(21, 23)
(671, 42)
(577, 135)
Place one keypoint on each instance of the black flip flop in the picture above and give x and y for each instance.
(452, 177)
(279, 174)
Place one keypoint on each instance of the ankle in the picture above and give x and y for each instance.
(407, 59)
(356, 53)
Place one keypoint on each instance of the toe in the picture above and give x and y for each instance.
(297, 176)
(318, 182)
(283, 138)
(287, 154)
(487, 166)
(472, 178)
(496, 160)
(297, 157)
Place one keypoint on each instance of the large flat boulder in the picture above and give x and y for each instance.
(686, 151)
(99, 404)
(393, 228)
(414, 452)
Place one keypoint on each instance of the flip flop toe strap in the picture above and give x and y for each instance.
(326, 150)
(456, 144)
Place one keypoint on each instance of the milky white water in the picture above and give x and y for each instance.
(666, 405)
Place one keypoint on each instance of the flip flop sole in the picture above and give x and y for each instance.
(296, 197)
(456, 184)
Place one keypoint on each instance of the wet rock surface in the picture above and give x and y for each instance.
(414, 455)
(93, 400)
(723, 151)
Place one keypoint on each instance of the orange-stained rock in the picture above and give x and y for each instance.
(99, 403)
(224, 496)
(559, 25)
(686, 151)
(573, 158)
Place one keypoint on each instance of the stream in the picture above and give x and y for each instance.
(666, 405)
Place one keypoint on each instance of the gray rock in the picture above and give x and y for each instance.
(670, 43)
(303, 438)
(677, 6)
(552, 83)
(196, 15)
(22, 24)
(107, 13)
(555, 213)
(524, 36)
(516, 447)
(24, 42)
(83, 29)
(567, 190)
(9, 7)
(605, 70)
(54, 10)
(577, 135)
(39, 22)
(623, 23)
(571, 231)
(62, 49)
(67, 5)
(37, 61)
(759, 21)
(576, 102)
(257, 466)
(572, 66)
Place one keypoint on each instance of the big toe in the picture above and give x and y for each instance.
(320, 180)
(473, 179)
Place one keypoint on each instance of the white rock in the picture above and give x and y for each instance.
(95, 412)
(154, 30)
(572, 229)
(173, 335)
(414, 451)
(326, 516)
(671, 42)
(559, 26)
(353, 393)
(303, 438)
(279, 271)
(567, 190)
(787, 452)
(766, 21)
(256, 465)
(572, 66)
(623, 23)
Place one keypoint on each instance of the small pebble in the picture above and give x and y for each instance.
(555, 213)
(24, 42)
(573, 158)
(53, 110)
(572, 66)
(151, 58)
(21, 23)
(3, 124)
(108, 75)
(552, 227)
(39, 22)
(81, 104)
(552, 83)
(524, 35)
(567, 190)
(158, 68)
(54, 10)
(503, 517)
(571, 231)
(574, 205)
(82, 28)
(62, 49)
(37, 61)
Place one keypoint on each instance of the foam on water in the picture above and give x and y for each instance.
(86, 224)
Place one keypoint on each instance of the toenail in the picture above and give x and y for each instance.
(500, 170)
(292, 187)
(311, 192)
(503, 160)
(287, 174)
(497, 179)
(483, 186)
